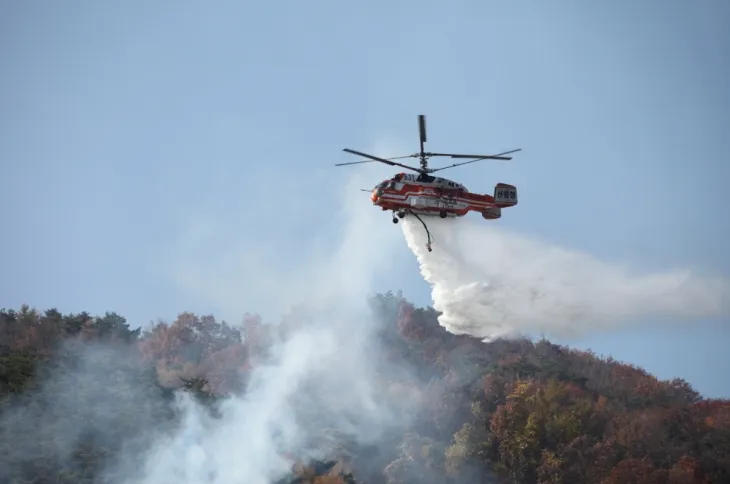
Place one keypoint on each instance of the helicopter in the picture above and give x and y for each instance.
(423, 194)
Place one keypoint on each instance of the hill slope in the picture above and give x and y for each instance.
(88, 399)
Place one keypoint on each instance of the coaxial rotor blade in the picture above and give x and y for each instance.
(371, 161)
(381, 160)
(495, 157)
(481, 157)
(354, 162)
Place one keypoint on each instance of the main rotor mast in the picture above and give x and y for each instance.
(422, 135)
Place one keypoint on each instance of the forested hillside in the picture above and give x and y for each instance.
(507, 411)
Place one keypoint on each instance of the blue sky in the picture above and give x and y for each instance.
(139, 142)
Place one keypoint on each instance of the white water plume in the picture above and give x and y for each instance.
(490, 283)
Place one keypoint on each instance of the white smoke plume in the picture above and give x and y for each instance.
(490, 283)
(328, 374)
(322, 376)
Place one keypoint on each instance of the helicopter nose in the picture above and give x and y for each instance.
(374, 197)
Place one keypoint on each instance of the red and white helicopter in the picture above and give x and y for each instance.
(428, 195)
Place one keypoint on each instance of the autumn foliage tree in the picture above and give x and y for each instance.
(194, 347)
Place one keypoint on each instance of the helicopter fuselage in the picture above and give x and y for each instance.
(424, 194)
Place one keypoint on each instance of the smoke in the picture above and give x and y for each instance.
(325, 375)
(313, 385)
(490, 283)
(72, 401)
(233, 259)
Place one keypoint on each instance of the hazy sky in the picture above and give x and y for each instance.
(168, 156)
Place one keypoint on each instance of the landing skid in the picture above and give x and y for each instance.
(429, 237)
